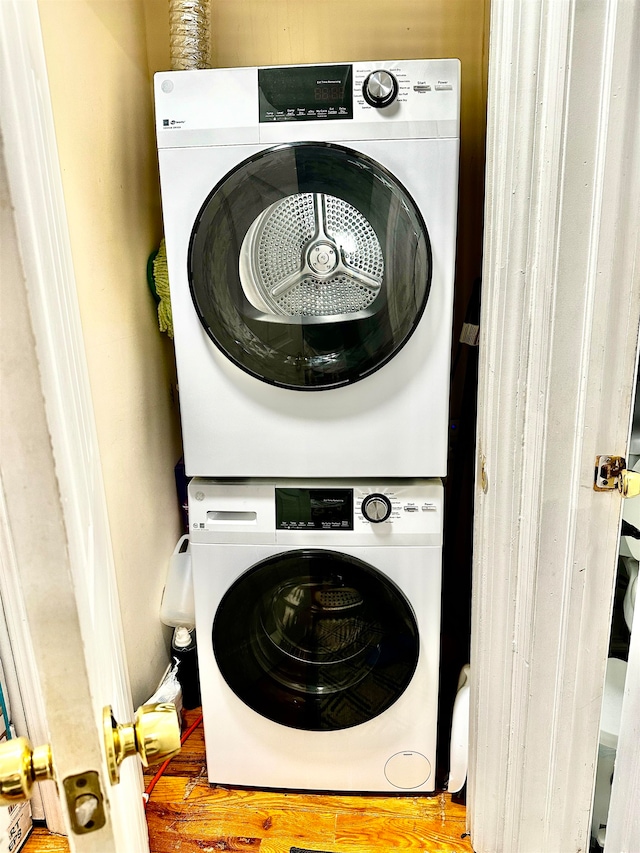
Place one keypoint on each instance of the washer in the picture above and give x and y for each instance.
(318, 625)
(310, 221)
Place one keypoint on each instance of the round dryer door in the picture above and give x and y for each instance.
(309, 266)
(316, 640)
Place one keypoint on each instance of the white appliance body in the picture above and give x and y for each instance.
(238, 529)
(385, 418)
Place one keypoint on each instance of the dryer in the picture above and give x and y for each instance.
(310, 222)
(318, 625)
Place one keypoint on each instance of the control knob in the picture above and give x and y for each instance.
(376, 508)
(380, 89)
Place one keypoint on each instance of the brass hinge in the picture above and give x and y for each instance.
(611, 473)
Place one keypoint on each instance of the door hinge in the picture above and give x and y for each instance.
(611, 473)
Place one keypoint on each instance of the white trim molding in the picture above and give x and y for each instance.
(623, 825)
(561, 302)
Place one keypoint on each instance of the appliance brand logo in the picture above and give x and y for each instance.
(172, 124)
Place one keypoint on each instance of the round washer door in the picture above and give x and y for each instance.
(309, 266)
(316, 640)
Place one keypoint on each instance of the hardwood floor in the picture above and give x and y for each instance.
(185, 813)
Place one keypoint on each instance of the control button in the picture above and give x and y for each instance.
(380, 89)
(411, 508)
(422, 88)
(443, 87)
(376, 508)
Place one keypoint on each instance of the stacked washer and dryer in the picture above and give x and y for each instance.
(310, 220)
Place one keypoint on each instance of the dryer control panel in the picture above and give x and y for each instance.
(316, 512)
(395, 99)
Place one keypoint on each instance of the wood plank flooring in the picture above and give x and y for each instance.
(188, 815)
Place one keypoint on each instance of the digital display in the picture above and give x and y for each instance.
(314, 509)
(306, 93)
(330, 94)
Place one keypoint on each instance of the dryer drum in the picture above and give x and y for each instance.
(312, 255)
(309, 266)
(328, 642)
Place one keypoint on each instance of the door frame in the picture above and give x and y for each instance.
(561, 302)
(86, 654)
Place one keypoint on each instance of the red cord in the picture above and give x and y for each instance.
(152, 784)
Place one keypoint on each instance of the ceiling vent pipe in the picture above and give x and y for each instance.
(189, 34)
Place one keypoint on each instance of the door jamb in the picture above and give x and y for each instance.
(561, 303)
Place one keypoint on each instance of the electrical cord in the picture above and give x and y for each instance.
(165, 764)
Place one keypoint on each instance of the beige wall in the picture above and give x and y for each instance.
(98, 73)
(100, 56)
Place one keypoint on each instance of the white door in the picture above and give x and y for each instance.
(57, 575)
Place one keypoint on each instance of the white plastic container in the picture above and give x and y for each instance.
(178, 607)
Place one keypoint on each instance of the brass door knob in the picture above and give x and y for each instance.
(154, 734)
(21, 766)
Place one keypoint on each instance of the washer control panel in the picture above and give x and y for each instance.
(325, 508)
(327, 512)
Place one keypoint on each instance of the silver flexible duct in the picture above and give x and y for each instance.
(189, 34)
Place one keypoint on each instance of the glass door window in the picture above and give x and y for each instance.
(316, 640)
(309, 266)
